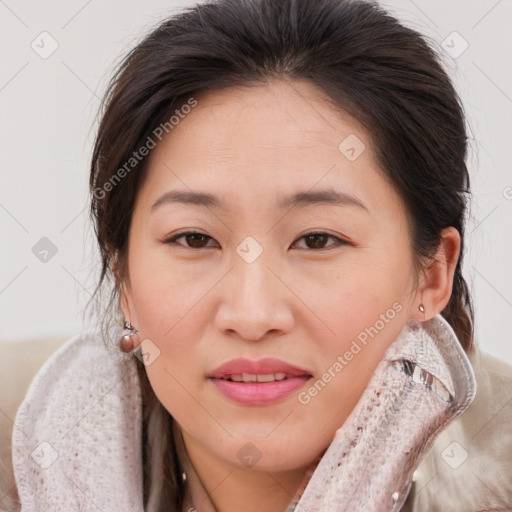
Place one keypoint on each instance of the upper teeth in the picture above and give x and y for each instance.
(251, 377)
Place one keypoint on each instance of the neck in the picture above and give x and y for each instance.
(214, 485)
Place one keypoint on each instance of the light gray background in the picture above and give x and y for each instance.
(48, 123)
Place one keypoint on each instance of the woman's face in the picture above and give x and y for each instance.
(253, 285)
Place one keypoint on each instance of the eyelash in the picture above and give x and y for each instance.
(339, 241)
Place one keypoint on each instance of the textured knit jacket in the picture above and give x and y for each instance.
(77, 440)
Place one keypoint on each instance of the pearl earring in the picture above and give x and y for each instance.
(130, 338)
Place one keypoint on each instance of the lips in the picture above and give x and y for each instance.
(258, 383)
(264, 366)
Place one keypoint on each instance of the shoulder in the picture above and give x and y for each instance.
(82, 412)
(83, 366)
(470, 464)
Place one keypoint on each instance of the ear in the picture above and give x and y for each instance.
(436, 289)
(126, 302)
(125, 294)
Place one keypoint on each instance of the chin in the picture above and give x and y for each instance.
(273, 455)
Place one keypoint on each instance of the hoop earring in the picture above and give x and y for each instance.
(130, 338)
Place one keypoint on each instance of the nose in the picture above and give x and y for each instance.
(255, 302)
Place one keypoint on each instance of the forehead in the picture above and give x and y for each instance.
(280, 116)
(264, 142)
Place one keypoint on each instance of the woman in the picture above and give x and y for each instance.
(279, 191)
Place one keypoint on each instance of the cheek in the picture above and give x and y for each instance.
(176, 374)
(352, 295)
(362, 311)
(349, 359)
(165, 291)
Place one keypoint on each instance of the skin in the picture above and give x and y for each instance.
(302, 301)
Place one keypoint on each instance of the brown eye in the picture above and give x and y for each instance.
(318, 240)
(194, 240)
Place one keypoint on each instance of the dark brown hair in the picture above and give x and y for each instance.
(384, 74)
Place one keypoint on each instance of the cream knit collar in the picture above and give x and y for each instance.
(77, 436)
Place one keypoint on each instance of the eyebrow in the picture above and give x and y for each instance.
(300, 199)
